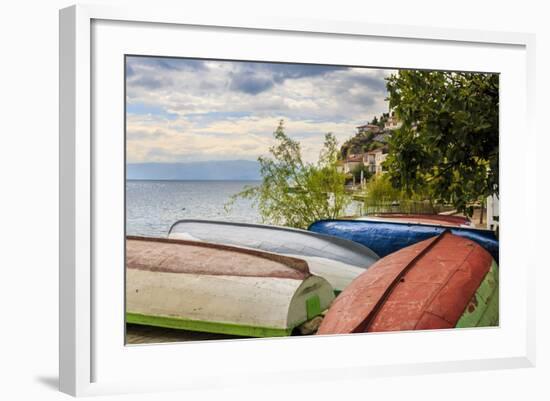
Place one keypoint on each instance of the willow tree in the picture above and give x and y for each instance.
(448, 143)
(295, 193)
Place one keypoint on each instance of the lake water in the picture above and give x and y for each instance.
(153, 206)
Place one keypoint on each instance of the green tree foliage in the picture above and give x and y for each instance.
(381, 196)
(380, 191)
(295, 193)
(448, 144)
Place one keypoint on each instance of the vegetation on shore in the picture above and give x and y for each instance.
(380, 196)
(447, 147)
(295, 193)
(445, 153)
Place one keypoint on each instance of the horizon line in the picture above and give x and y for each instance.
(197, 161)
(188, 179)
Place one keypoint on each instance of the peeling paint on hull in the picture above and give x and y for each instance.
(482, 310)
(429, 285)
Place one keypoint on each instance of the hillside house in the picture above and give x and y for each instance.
(351, 163)
(372, 160)
(368, 128)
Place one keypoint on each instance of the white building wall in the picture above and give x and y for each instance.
(493, 212)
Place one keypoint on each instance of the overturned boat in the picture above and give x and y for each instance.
(433, 219)
(216, 288)
(337, 260)
(386, 237)
(443, 282)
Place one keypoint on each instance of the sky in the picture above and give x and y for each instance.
(187, 110)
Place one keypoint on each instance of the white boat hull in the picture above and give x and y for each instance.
(162, 292)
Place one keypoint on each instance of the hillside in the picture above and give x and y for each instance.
(363, 142)
(368, 137)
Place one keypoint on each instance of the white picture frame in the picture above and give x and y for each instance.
(94, 361)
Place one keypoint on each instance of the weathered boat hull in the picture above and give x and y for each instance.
(443, 282)
(337, 260)
(338, 274)
(219, 289)
(385, 238)
(431, 219)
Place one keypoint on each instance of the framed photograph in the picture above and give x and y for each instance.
(260, 192)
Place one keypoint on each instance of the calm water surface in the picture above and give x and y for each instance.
(153, 206)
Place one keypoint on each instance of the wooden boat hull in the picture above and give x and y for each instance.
(443, 282)
(337, 260)
(385, 238)
(219, 289)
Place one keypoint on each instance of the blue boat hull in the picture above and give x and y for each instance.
(387, 237)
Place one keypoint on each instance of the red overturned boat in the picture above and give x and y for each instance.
(443, 282)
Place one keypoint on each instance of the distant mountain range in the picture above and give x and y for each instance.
(207, 170)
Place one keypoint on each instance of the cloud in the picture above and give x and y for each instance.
(295, 71)
(187, 110)
(253, 78)
(165, 63)
(374, 82)
(250, 83)
(147, 109)
(150, 82)
(129, 70)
